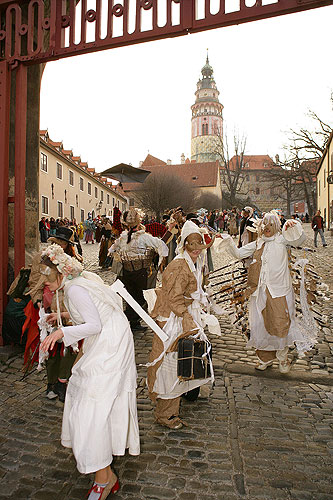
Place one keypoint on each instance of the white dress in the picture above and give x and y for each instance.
(100, 414)
(274, 276)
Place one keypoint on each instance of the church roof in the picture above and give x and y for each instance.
(199, 175)
(151, 160)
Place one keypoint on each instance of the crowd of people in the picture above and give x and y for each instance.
(77, 327)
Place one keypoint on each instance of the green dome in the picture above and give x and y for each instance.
(207, 70)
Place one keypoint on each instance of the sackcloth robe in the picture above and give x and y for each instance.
(272, 302)
(100, 414)
(179, 310)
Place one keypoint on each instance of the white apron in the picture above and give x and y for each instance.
(100, 414)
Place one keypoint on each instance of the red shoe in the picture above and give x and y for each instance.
(115, 487)
(104, 492)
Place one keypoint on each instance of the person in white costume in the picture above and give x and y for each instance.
(181, 308)
(100, 415)
(273, 324)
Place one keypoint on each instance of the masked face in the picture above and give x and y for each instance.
(269, 230)
(194, 245)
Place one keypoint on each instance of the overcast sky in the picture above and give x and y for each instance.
(117, 105)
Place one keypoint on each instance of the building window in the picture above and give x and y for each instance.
(71, 212)
(60, 209)
(96, 192)
(113, 202)
(257, 178)
(265, 165)
(123, 205)
(102, 195)
(82, 215)
(257, 191)
(71, 178)
(81, 184)
(43, 162)
(59, 171)
(45, 205)
(205, 129)
(108, 199)
(89, 187)
(247, 165)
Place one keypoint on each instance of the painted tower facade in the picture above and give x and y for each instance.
(207, 121)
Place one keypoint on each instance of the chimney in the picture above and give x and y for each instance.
(168, 162)
(140, 163)
(277, 159)
(182, 159)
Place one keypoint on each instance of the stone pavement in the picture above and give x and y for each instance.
(255, 437)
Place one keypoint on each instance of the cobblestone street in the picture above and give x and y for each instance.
(258, 435)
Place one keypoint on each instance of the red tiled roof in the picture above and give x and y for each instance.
(68, 152)
(256, 162)
(151, 161)
(55, 144)
(76, 158)
(197, 174)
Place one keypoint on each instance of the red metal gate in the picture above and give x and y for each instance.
(36, 31)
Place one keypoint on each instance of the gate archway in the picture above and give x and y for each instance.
(37, 31)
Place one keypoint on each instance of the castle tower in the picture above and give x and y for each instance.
(207, 121)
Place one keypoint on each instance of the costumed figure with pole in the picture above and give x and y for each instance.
(136, 249)
(274, 326)
(181, 308)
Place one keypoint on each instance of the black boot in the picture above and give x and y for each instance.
(60, 389)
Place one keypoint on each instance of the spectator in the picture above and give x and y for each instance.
(42, 230)
(53, 226)
(318, 227)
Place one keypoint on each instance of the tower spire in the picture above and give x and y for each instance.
(207, 120)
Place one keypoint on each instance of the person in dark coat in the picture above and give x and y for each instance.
(318, 227)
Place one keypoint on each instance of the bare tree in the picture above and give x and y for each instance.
(209, 201)
(232, 166)
(305, 149)
(311, 144)
(162, 191)
(283, 180)
(305, 175)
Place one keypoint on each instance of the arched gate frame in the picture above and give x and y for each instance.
(37, 31)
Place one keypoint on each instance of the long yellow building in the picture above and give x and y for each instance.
(325, 184)
(69, 188)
